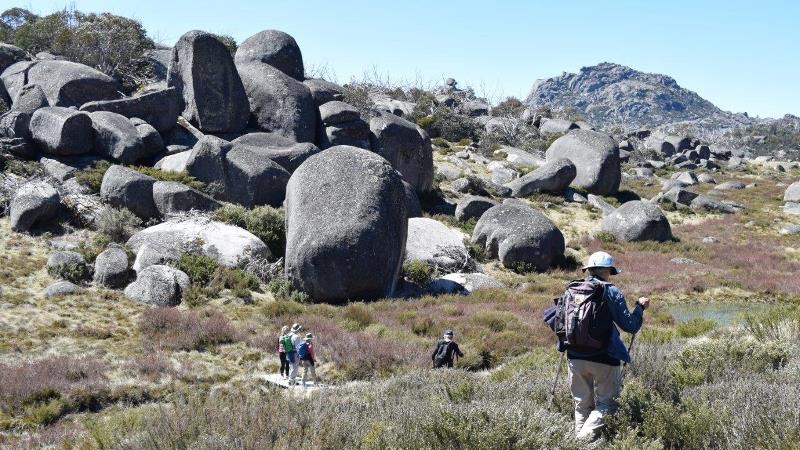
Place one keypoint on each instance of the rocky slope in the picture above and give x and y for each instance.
(612, 95)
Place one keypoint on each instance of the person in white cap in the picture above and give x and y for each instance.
(594, 348)
(294, 360)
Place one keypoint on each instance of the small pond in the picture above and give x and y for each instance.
(722, 313)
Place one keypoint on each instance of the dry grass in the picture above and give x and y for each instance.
(150, 354)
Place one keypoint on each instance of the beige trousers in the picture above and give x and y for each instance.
(595, 388)
(307, 365)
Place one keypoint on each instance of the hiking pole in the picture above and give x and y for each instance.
(630, 346)
(555, 380)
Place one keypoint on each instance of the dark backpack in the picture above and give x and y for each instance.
(581, 318)
(443, 354)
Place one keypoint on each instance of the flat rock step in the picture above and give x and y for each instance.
(278, 380)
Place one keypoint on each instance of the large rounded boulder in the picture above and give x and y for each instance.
(275, 48)
(638, 221)
(346, 225)
(111, 267)
(123, 187)
(282, 150)
(64, 83)
(229, 245)
(34, 204)
(117, 138)
(596, 159)
(521, 237)
(406, 146)
(159, 108)
(435, 244)
(792, 193)
(62, 131)
(278, 102)
(9, 55)
(555, 176)
(252, 179)
(203, 73)
(158, 285)
(324, 91)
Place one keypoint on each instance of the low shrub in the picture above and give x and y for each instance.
(22, 167)
(357, 317)
(605, 237)
(677, 425)
(74, 272)
(417, 271)
(169, 328)
(432, 410)
(439, 142)
(695, 327)
(707, 360)
(117, 224)
(166, 175)
(357, 95)
(265, 222)
(283, 290)
(92, 177)
(282, 308)
(779, 323)
(40, 392)
(200, 268)
(209, 279)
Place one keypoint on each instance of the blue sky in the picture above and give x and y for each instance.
(741, 55)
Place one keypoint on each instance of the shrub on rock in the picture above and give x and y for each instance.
(229, 245)
(68, 265)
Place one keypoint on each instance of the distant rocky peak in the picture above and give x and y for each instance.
(613, 95)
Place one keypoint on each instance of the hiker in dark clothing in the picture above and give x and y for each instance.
(445, 350)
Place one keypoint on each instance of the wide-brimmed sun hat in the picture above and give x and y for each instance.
(309, 336)
(296, 327)
(448, 333)
(601, 259)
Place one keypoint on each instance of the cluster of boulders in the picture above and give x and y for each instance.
(242, 125)
(256, 132)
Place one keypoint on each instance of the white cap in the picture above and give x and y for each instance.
(602, 259)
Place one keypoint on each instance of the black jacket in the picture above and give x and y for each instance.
(442, 355)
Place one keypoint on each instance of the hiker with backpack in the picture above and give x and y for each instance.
(446, 349)
(282, 353)
(585, 320)
(307, 358)
(291, 342)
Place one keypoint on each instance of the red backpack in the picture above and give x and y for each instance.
(582, 319)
